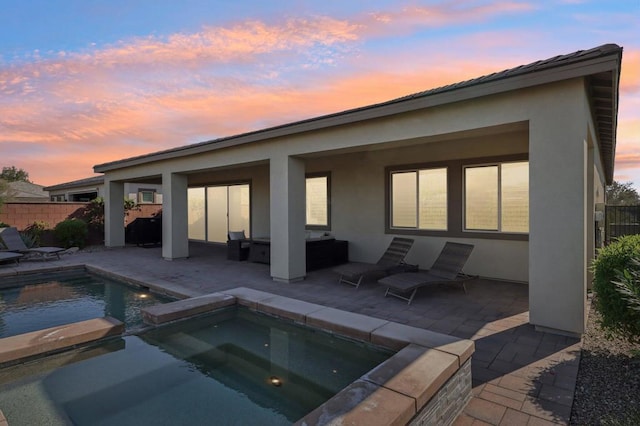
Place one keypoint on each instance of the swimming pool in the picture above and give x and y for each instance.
(32, 302)
(232, 367)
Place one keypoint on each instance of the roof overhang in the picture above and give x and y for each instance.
(600, 67)
(82, 183)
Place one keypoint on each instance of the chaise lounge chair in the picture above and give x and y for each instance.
(9, 255)
(446, 269)
(13, 241)
(352, 273)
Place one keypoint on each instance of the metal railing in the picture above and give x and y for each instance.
(621, 220)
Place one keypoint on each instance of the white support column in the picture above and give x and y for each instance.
(175, 237)
(287, 188)
(559, 223)
(113, 214)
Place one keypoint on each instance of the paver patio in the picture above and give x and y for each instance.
(520, 376)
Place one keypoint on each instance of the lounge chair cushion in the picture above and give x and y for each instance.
(355, 269)
(353, 272)
(12, 240)
(9, 255)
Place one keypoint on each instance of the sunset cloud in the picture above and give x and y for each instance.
(147, 93)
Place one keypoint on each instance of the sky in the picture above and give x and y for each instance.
(84, 82)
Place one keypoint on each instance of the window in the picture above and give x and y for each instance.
(419, 199)
(196, 223)
(146, 196)
(317, 204)
(496, 197)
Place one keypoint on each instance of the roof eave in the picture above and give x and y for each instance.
(606, 62)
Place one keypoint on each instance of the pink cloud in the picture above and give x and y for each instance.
(630, 73)
(629, 160)
(151, 93)
(406, 19)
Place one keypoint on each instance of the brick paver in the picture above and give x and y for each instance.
(520, 376)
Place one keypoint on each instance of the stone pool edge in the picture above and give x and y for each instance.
(22, 347)
(428, 380)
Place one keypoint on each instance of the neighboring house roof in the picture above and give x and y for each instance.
(27, 191)
(600, 65)
(92, 181)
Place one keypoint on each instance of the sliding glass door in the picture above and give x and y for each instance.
(225, 207)
(217, 213)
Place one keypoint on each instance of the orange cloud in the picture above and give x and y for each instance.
(61, 115)
(628, 160)
(630, 73)
(406, 19)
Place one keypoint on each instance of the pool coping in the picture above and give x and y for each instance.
(22, 347)
(394, 392)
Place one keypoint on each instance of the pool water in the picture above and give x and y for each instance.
(47, 300)
(218, 370)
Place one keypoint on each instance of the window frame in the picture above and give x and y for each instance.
(499, 188)
(326, 227)
(417, 198)
(455, 194)
(141, 196)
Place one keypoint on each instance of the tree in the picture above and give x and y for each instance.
(4, 189)
(622, 194)
(12, 174)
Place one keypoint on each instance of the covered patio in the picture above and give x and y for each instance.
(514, 163)
(518, 373)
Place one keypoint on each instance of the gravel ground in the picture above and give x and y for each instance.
(608, 386)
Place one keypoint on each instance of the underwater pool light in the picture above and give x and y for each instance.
(275, 381)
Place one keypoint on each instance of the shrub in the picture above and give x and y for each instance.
(628, 284)
(94, 212)
(33, 233)
(71, 233)
(618, 317)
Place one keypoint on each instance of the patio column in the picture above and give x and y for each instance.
(175, 238)
(559, 218)
(113, 213)
(287, 189)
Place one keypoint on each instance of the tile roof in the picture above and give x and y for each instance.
(94, 180)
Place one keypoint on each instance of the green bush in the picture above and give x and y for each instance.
(32, 234)
(618, 317)
(628, 284)
(71, 233)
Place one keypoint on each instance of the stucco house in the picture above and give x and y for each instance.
(89, 188)
(26, 192)
(515, 163)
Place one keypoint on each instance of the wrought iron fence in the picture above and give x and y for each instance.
(622, 220)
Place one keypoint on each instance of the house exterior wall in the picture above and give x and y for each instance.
(561, 213)
(359, 215)
(561, 152)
